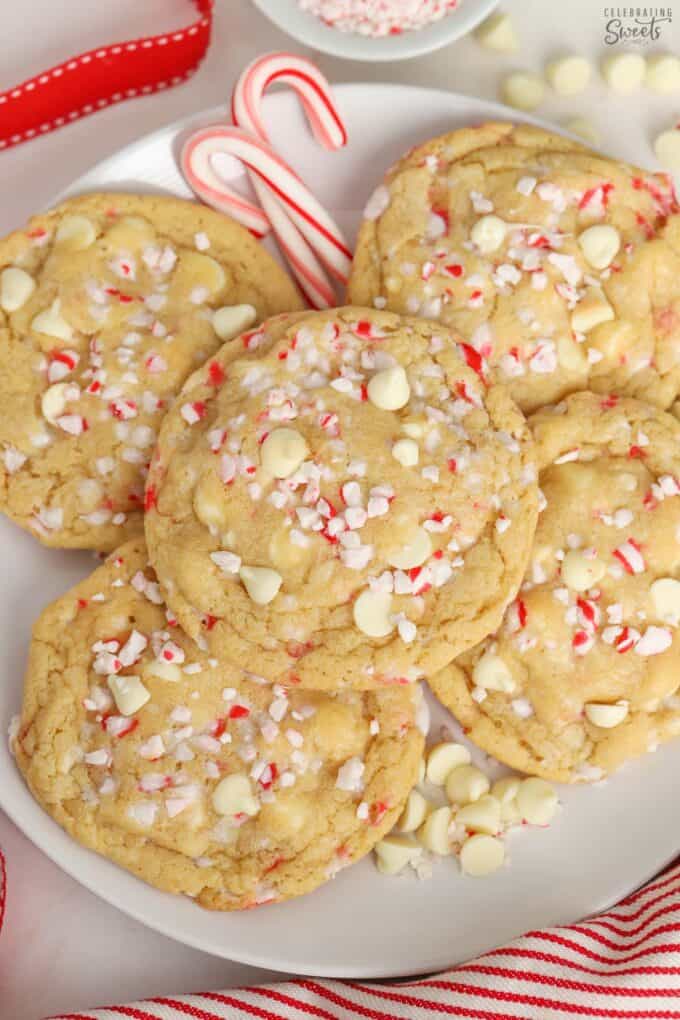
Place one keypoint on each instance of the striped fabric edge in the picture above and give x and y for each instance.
(623, 964)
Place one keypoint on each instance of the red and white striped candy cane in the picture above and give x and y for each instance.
(303, 228)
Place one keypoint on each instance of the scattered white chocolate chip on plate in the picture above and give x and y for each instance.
(481, 855)
(466, 784)
(624, 72)
(415, 812)
(537, 801)
(483, 815)
(497, 33)
(667, 149)
(393, 853)
(569, 75)
(231, 320)
(663, 73)
(444, 758)
(16, 287)
(523, 90)
(434, 832)
(505, 791)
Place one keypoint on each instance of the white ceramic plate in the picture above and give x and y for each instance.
(608, 838)
(310, 30)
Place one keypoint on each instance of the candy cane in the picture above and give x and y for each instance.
(268, 168)
(313, 222)
(302, 226)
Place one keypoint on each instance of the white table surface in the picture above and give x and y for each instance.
(62, 948)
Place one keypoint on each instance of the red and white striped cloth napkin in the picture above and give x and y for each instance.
(622, 965)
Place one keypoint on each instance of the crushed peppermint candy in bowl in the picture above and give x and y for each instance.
(376, 29)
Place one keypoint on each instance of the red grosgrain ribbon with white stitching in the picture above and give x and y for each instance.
(104, 76)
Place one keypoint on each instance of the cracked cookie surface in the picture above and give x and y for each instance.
(185, 772)
(106, 306)
(339, 499)
(561, 267)
(582, 675)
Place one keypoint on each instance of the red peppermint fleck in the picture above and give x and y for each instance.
(600, 193)
(580, 638)
(296, 649)
(650, 502)
(150, 498)
(218, 728)
(272, 867)
(118, 726)
(38, 232)
(462, 391)
(209, 621)
(364, 392)
(377, 811)
(454, 269)
(608, 402)
(216, 374)
(625, 640)
(269, 776)
(473, 359)
(239, 712)
(282, 355)
(82, 603)
(630, 556)
(539, 241)
(647, 227)
(636, 453)
(438, 554)
(452, 465)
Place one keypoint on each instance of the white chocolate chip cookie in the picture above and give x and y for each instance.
(289, 537)
(560, 267)
(188, 774)
(582, 674)
(107, 304)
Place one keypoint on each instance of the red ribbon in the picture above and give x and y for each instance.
(91, 81)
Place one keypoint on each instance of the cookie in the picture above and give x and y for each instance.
(107, 304)
(561, 267)
(185, 772)
(347, 505)
(583, 673)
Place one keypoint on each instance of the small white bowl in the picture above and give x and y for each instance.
(310, 30)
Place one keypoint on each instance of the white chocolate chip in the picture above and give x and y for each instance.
(406, 452)
(52, 322)
(488, 233)
(415, 812)
(580, 572)
(583, 129)
(482, 816)
(282, 452)
(569, 75)
(233, 796)
(168, 671)
(497, 33)
(372, 613)
(666, 598)
(599, 244)
(663, 73)
(232, 320)
(592, 310)
(54, 400)
(537, 801)
(481, 855)
(261, 583)
(444, 758)
(624, 72)
(434, 832)
(667, 149)
(505, 791)
(466, 784)
(16, 287)
(389, 390)
(75, 231)
(606, 716)
(523, 90)
(393, 853)
(491, 673)
(129, 693)
(413, 553)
